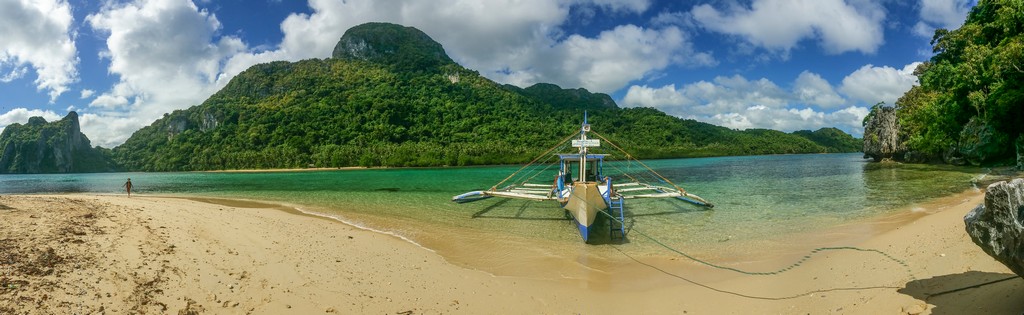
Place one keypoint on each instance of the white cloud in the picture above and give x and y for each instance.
(608, 62)
(871, 84)
(38, 34)
(811, 103)
(634, 6)
(810, 88)
(87, 93)
(947, 14)
(15, 74)
(167, 55)
(21, 115)
(704, 99)
(780, 25)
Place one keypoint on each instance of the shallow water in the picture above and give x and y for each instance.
(757, 198)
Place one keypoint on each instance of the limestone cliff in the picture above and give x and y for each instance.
(881, 135)
(55, 147)
(404, 48)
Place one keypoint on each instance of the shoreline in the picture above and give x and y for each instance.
(258, 257)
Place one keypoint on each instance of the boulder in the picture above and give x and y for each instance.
(997, 226)
(915, 157)
(953, 157)
(881, 135)
(980, 143)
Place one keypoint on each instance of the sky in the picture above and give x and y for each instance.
(779, 64)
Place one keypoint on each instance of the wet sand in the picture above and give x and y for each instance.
(112, 254)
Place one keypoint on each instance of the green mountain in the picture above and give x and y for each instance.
(54, 147)
(390, 96)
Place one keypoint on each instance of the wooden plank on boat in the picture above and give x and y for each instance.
(527, 190)
(518, 195)
(634, 189)
(661, 195)
(537, 185)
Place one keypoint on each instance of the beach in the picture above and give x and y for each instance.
(80, 253)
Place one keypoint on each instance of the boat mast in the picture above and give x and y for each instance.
(583, 148)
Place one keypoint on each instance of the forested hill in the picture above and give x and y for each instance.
(390, 96)
(50, 147)
(969, 106)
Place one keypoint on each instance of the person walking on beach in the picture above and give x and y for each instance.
(128, 185)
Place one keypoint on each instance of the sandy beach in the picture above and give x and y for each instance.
(101, 254)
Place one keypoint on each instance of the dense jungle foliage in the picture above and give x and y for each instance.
(970, 100)
(371, 105)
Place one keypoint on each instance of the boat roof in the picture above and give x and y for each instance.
(576, 156)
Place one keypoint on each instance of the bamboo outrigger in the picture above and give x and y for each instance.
(582, 188)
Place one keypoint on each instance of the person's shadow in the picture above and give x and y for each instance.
(972, 292)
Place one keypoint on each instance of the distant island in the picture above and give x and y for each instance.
(391, 96)
(51, 147)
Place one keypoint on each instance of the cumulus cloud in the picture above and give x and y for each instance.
(871, 84)
(15, 74)
(21, 115)
(810, 88)
(167, 56)
(947, 14)
(608, 62)
(38, 34)
(779, 25)
(810, 103)
(87, 93)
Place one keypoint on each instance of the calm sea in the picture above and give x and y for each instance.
(756, 198)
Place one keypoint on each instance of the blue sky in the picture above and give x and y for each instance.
(779, 64)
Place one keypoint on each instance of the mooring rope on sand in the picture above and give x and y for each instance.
(798, 263)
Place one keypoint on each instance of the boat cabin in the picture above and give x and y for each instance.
(571, 171)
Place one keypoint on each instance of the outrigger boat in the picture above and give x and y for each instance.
(582, 188)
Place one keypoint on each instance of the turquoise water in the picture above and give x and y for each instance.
(756, 197)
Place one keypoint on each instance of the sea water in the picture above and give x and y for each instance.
(756, 198)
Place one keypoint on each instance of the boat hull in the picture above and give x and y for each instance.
(583, 203)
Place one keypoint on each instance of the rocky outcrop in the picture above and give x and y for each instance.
(42, 147)
(997, 226)
(981, 144)
(401, 47)
(881, 135)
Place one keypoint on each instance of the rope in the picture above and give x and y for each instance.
(756, 297)
(531, 162)
(640, 162)
(537, 173)
(768, 273)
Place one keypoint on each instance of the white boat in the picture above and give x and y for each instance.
(582, 188)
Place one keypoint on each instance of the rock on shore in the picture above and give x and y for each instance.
(881, 135)
(997, 225)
